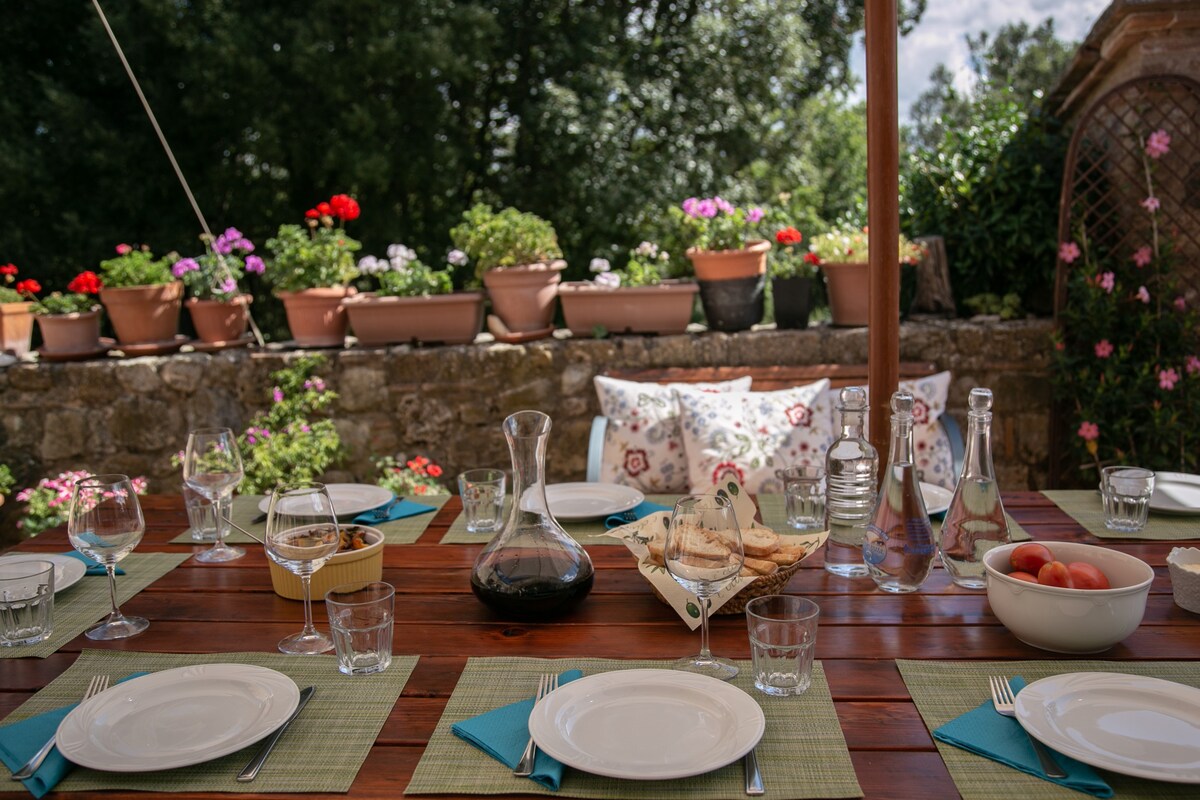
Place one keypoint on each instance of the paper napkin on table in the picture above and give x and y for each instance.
(984, 732)
(642, 509)
(503, 733)
(94, 567)
(19, 741)
(399, 510)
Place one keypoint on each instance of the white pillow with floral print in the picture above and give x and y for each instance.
(754, 433)
(643, 445)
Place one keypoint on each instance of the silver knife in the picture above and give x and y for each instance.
(754, 781)
(251, 770)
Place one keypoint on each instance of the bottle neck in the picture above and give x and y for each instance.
(902, 444)
(853, 424)
(977, 458)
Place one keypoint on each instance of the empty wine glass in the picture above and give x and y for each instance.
(212, 466)
(302, 534)
(105, 524)
(703, 553)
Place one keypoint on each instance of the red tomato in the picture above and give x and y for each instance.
(1023, 576)
(1087, 576)
(1030, 557)
(1055, 574)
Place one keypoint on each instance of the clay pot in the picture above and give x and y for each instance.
(144, 314)
(219, 321)
(662, 309)
(316, 317)
(523, 296)
(445, 318)
(64, 334)
(16, 327)
(849, 292)
(723, 265)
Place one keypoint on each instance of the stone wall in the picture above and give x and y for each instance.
(130, 415)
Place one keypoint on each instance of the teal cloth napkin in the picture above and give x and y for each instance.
(642, 509)
(19, 741)
(503, 733)
(94, 567)
(984, 732)
(400, 510)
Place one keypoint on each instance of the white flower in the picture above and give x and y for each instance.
(456, 258)
(663, 255)
(649, 249)
(599, 265)
(369, 265)
(399, 264)
(395, 250)
(609, 279)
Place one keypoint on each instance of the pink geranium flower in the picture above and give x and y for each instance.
(1089, 431)
(1141, 256)
(1068, 252)
(1143, 294)
(1193, 365)
(1180, 303)
(1158, 143)
(1104, 348)
(1151, 204)
(1106, 281)
(1167, 378)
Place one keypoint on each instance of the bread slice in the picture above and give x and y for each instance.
(759, 542)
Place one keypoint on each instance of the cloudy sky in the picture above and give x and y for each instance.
(941, 35)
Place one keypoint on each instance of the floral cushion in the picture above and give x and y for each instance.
(643, 445)
(754, 433)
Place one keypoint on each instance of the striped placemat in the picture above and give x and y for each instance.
(944, 690)
(802, 753)
(1084, 506)
(245, 511)
(774, 515)
(78, 607)
(591, 531)
(322, 751)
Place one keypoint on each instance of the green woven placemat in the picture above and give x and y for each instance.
(322, 751)
(944, 690)
(590, 531)
(401, 531)
(774, 515)
(802, 753)
(77, 607)
(1084, 507)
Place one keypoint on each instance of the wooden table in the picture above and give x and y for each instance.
(202, 608)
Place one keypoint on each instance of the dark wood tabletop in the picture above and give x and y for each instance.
(227, 607)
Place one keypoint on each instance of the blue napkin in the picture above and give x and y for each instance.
(399, 510)
(984, 732)
(503, 733)
(642, 509)
(19, 741)
(93, 567)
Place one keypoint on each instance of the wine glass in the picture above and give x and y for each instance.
(703, 553)
(212, 466)
(302, 534)
(105, 524)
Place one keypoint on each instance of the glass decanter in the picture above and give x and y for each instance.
(532, 568)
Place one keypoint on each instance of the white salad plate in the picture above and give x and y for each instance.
(177, 717)
(67, 570)
(348, 498)
(1146, 727)
(647, 724)
(1176, 493)
(578, 501)
(937, 499)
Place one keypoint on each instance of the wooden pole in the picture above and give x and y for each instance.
(883, 217)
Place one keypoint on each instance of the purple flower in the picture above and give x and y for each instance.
(1107, 281)
(691, 207)
(706, 208)
(754, 214)
(245, 245)
(1143, 294)
(184, 265)
(228, 286)
(456, 258)
(255, 264)
(231, 234)
(723, 205)
(277, 395)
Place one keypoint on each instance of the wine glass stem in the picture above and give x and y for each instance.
(219, 501)
(704, 652)
(305, 581)
(111, 568)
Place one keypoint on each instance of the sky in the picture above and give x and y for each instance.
(940, 37)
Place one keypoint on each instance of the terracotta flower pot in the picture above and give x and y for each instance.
(64, 334)
(723, 265)
(16, 327)
(849, 292)
(523, 296)
(218, 321)
(144, 314)
(316, 317)
(446, 318)
(662, 309)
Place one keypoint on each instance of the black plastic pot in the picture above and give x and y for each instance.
(733, 305)
(791, 297)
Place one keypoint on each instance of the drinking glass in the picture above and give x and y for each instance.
(703, 553)
(212, 467)
(1126, 493)
(302, 534)
(105, 524)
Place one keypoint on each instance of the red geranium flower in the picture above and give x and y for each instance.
(8, 269)
(812, 258)
(325, 209)
(28, 286)
(85, 283)
(312, 213)
(788, 235)
(344, 206)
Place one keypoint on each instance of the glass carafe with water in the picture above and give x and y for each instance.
(851, 470)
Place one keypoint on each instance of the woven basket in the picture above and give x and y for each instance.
(764, 585)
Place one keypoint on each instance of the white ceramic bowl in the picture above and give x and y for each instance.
(1070, 620)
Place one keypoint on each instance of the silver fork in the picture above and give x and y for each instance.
(381, 513)
(1002, 701)
(99, 684)
(547, 683)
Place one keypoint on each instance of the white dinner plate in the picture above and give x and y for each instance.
(1176, 493)
(576, 501)
(348, 498)
(937, 499)
(67, 570)
(1145, 727)
(647, 724)
(177, 717)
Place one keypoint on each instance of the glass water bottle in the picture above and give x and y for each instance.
(975, 521)
(852, 474)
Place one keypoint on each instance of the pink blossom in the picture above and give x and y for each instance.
(1104, 348)
(1142, 256)
(1193, 366)
(1143, 294)
(228, 286)
(706, 208)
(723, 205)
(1089, 431)
(754, 214)
(277, 394)
(691, 207)
(1180, 303)
(1158, 143)
(1167, 378)
(255, 264)
(123, 248)
(1068, 252)
(1106, 281)
(1151, 204)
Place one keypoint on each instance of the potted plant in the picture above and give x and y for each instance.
(637, 299)
(70, 323)
(311, 270)
(516, 256)
(142, 299)
(16, 317)
(414, 303)
(218, 307)
(843, 257)
(729, 260)
(792, 271)
(418, 476)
